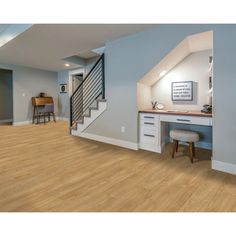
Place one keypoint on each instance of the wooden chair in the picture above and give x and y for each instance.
(184, 136)
(39, 104)
(48, 110)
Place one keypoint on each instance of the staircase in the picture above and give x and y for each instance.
(88, 101)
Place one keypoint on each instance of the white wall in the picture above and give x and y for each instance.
(194, 68)
(143, 96)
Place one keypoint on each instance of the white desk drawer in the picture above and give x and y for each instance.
(149, 117)
(148, 135)
(187, 119)
(149, 124)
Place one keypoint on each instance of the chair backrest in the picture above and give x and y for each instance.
(49, 107)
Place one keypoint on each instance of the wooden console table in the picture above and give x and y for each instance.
(38, 102)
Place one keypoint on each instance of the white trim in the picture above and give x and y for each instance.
(5, 121)
(71, 73)
(63, 118)
(26, 122)
(117, 142)
(223, 166)
(99, 51)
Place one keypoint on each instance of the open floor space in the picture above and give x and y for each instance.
(44, 168)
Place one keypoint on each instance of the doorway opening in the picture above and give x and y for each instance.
(76, 81)
(6, 97)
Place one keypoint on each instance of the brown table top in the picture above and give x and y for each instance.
(178, 112)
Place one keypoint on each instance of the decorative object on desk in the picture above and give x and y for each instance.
(42, 95)
(63, 88)
(182, 91)
(154, 103)
(210, 82)
(207, 109)
(160, 106)
(210, 60)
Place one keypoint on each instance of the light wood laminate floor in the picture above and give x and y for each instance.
(43, 168)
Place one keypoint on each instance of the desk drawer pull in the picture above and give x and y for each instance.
(183, 120)
(149, 117)
(149, 135)
(148, 123)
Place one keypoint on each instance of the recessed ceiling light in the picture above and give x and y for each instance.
(162, 73)
(67, 65)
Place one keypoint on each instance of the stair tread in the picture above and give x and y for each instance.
(101, 100)
(86, 115)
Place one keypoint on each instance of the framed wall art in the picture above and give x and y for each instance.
(182, 91)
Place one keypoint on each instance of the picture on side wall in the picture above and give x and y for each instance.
(182, 91)
(63, 88)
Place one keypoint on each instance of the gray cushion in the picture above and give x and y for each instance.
(184, 135)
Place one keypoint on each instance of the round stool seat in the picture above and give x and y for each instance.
(184, 135)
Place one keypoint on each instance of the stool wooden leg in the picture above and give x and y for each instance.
(174, 148)
(177, 145)
(191, 151)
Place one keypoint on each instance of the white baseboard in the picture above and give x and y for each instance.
(63, 118)
(117, 142)
(223, 166)
(5, 121)
(26, 122)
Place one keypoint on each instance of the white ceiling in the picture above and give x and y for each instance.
(44, 46)
(191, 44)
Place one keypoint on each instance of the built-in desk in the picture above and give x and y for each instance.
(153, 129)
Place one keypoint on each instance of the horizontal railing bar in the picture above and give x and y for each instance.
(87, 92)
(100, 59)
(82, 101)
(85, 103)
(90, 82)
(84, 90)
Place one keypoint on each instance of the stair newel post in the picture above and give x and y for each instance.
(103, 77)
(71, 112)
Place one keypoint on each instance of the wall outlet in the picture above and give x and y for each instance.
(122, 129)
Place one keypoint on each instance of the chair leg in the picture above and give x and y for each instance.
(191, 151)
(194, 150)
(54, 117)
(174, 148)
(177, 145)
(44, 119)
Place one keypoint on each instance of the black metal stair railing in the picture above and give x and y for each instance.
(91, 88)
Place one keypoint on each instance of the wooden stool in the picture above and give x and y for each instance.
(184, 136)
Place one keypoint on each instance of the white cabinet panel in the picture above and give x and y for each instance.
(149, 132)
